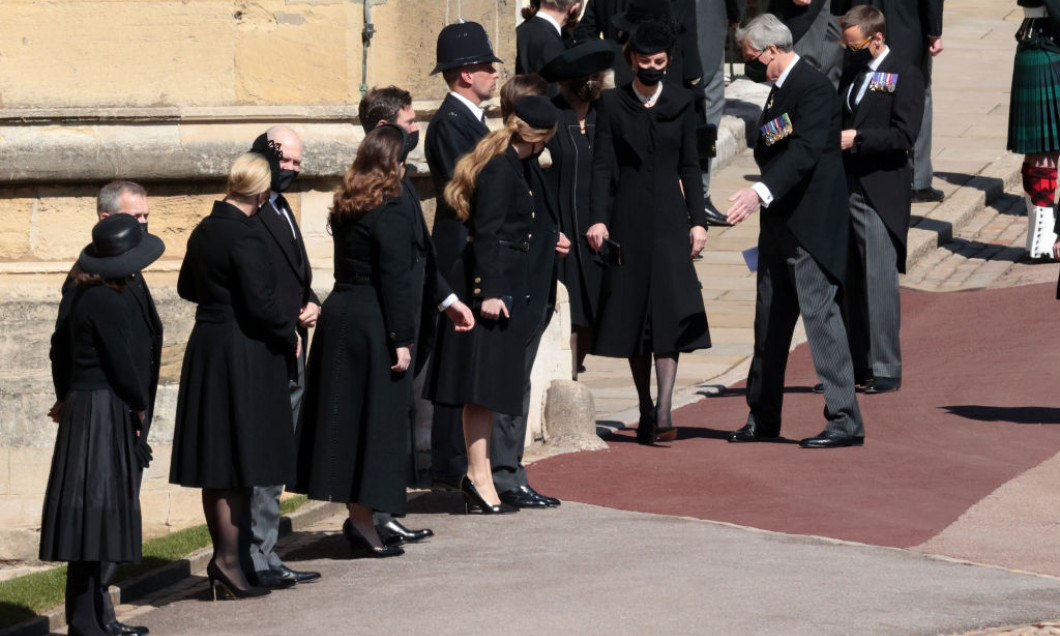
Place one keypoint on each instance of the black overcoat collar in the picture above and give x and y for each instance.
(459, 109)
(280, 230)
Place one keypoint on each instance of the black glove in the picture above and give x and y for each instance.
(143, 452)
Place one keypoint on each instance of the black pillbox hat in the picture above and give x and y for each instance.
(537, 111)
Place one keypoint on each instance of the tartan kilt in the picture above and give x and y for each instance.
(1034, 107)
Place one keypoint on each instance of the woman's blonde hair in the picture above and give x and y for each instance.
(249, 176)
(458, 192)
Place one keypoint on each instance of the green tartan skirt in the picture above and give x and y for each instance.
(1034, 107)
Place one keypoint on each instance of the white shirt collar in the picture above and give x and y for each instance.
(875, 63)
(548, 18)
(784, 75)
(650, 99)
(476, 110)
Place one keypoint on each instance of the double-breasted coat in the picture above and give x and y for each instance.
(484, 366)
(570, 178)
(233, 423)
(354, 439)
(644, 158)
(452, 133)
(888, 122)
(91, 505)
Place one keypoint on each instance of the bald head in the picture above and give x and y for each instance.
(289, 144)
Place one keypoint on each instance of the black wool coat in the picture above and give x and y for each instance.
(570, 178)
(485, 365)
(233, 424)
(888, 124)
(649, 154)
(804, 171)
(909, 23)
(294, 275)
(354, 440)
(452, 133)
(536, 43)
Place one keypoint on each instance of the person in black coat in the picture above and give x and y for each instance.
(481, 370)
(802, 243)
(393, 105)
(914, 30)
(91, 513)
(579, 72)
(466, 60)
(233, 423)
(354, 440)
(541, 36)
(282, 148)
(882, 108)
(645, 159)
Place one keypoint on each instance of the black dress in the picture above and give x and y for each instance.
(571, 177)
(354, 437)
(484, 366)
(91, 507)
(233, 424)
(652, 303)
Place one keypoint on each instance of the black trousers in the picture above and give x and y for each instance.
(107, 570)
(83, 611)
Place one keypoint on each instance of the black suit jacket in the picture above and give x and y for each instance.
(536, 43)
(452, 133)
(888, 124)
(804, 171)
(294, 276)
(909, 23)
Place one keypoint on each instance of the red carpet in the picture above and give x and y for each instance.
(978, 407)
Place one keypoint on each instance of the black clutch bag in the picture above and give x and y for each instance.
(706, 144)
(611, 252)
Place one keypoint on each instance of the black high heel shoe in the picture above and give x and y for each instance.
(362, 549)
(472, 499)
(218, 579)
(646, 427)
(666, 433)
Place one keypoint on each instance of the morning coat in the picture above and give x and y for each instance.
(804, 171)
(294, 275)
(888, 124)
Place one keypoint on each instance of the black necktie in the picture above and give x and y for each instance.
(484, 119)
(855, 88)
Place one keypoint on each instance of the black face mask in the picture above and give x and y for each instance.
(755, 70)
(143, 226)
(281, 179)
(411, 141)
(589, 91)
(650, 76)
(857, 59)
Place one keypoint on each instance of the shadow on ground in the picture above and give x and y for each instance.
(1010, 414)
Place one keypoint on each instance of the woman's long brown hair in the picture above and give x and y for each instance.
(373, 177)
(458, 192)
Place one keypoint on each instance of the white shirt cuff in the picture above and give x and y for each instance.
(763, 193)
(449, 300)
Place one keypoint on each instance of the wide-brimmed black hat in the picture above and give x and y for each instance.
(580, 61)
(463, 44)
(119, 248)
(652, 37)
(641, 11)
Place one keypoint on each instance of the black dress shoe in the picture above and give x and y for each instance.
(521, 497)
(121, 629)
(297, 577)
(273, 580)
(750, 433)
(550, 501)
(361, 548)
(928, 195)
(828, 439)
(883, 385)
(393, 533)
(714, 215)
(473, 500)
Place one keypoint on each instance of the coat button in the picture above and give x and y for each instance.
(529, 236)
(478, 279)
(393, 336)
(478, 291)
(531, 193)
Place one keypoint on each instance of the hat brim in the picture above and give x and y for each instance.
(580, 61)
(478, 59)
(113, 267)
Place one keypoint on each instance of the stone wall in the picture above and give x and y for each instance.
(167, 93)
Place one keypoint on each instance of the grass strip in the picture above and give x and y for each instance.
(24, 597)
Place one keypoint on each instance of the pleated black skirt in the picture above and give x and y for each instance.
(354, 436)
(91, 507)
